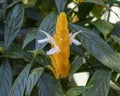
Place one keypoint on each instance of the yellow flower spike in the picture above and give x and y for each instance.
(80, 1)
(118, 55)
(60, 61)
(60, 47)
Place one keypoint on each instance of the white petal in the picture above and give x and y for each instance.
(76, 42)
(43, 40)
(72, 38)
(49, 37)
(50, 40)
(53, 50)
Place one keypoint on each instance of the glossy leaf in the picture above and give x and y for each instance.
(98, 48)
(100, 82)
(48, 25)
(75, 65)
(31, 35)
(60, 5)
(5, 78)
(20, 83)
(106, 27)
(49, 86)
(116, 38)
(75, 91)
(13, 24)
(32, 79)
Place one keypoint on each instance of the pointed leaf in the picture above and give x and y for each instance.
(48, 25)
(13, 24)
(100, 82)
(60, 5)
(105, 29)
(116, 38)
(75, 91)
(49, 86)
(75, 65)
(32, 79)
(20, 83)
(5, 78)
(98, 48)
(31, 35)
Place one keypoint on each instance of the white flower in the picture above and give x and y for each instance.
(72, 38)
(56, 49)
(50, 40)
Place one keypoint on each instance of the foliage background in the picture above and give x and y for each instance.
(24, 64)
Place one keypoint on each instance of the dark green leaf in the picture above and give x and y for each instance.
(60, 5)
(13, 24)
(98, 48)
(5, 78)
(75, 65)
(100, 82)
(116, 38)
(49, 86)
(33, 13)
(48, 25)
(76, 50)
(20, 83)
(116, 29)
(99, 2)
(32, 79)
(106, 27)
(75, 91)
(15, 51)
(31, 35)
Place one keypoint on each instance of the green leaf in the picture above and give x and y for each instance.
(116, 29)
(31, 35)
(49, 86)
(75, 65)
(116, 38)
(20, 83)
(13, 24)
(5, 78)
(15, 51)
(48, 25)
(106, 27)
(99, 2)
(75, 91)
(98, 48)
(32, 79)
(100, 82)
(60, 5)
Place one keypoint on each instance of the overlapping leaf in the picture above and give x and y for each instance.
(5, 78)
(48, 25)
(32, 79)
(49, 86)
(19, 84)
(75, 65)
(105, 29)
(98, 48)
(60, 5)
(100, 82)
(13, 24)
(75, 91)
(31, 35)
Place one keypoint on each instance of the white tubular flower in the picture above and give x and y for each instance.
(50, 40)
(72, 38)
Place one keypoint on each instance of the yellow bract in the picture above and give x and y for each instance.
(80, 1)
(60, 61)
(119, 55)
